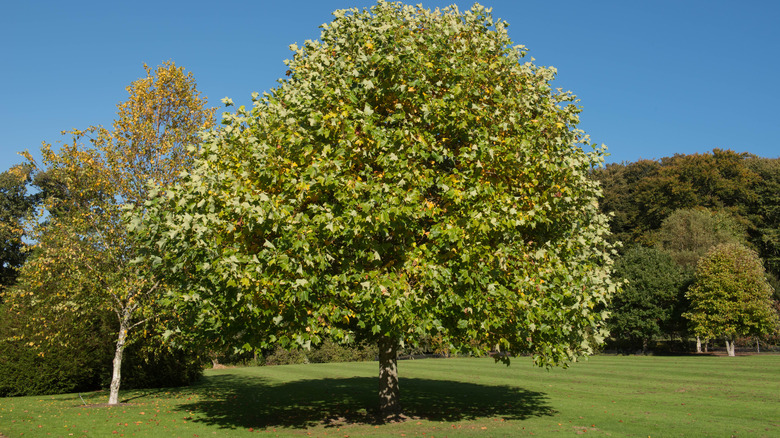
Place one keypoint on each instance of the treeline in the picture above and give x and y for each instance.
(671, 213)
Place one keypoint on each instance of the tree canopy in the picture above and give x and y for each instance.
(411, 177)
(15, 205)
(643, 194)
(648, 305)
(731, 296)
(687, 234)
(765, 212)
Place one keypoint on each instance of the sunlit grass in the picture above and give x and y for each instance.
(606, 395)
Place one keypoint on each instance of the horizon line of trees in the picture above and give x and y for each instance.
(675, 216)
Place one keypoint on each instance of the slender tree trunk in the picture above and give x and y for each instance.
(758, 346)
(698, 344)
(730, 347)
(116, 377)
(389, 392)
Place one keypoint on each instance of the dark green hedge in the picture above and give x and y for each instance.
(85, 362)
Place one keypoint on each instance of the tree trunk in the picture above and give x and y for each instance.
(116, 377)
(698, 344)
(389, 392)
(730, 347)
(758, 346)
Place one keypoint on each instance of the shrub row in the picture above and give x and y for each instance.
(31, 365)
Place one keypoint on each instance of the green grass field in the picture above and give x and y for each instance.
(603, 396)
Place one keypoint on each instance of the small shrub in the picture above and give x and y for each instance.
(281, 356)
(327, 352)
(330, 351)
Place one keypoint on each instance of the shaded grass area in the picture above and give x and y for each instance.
(339, 401)
(605, 396)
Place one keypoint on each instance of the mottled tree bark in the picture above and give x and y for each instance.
(389, 392)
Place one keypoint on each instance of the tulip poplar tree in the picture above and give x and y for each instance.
(411, 177)
(83, 257)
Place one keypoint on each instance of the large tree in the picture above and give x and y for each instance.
(731, 296)
(413, 176)
(83, 256)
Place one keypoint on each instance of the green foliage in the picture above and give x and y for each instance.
(765, 212)
(15, 205)
(286, 356)
(146, 365)
(642, 194)
(719, 180)
(326, 352)
(329, 352)
(411, 177)
(621, 185)
(33, 362)
(649, 304)
(731, 296)
(686, 235)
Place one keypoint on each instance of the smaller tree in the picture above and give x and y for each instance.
(84, 258)
(731, 296)
(647, 306)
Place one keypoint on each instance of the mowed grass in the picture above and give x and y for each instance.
(603, 396)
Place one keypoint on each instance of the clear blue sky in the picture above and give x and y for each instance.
(654, 78)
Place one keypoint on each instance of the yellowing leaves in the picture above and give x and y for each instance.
(84, 262)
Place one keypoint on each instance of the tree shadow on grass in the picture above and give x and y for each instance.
(244, 402)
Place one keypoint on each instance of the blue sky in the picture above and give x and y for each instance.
(654, 78)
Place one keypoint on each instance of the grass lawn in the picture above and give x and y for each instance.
(604, 396)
